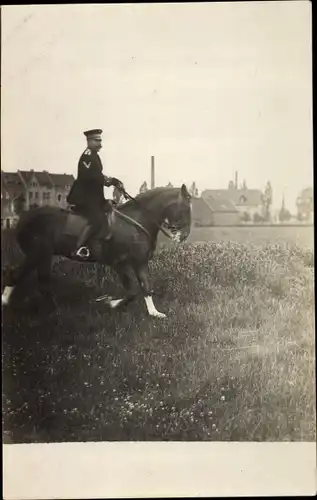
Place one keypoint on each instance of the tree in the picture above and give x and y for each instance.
(19, 204)
(193, 191)
(267, 199)
(305, 204)
(143, 187)
(257, 218)
(284, 214)
(169, 185)
(246, 217)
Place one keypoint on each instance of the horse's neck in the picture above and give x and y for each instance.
(149, 213)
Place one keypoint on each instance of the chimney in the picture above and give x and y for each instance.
(152, 173)
(236, 180)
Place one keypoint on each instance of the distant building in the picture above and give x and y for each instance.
(202, 215)
(246, 201)
(22, 190)
(8, 215)
(209, 211)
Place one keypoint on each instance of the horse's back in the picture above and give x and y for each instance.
(37, 220)
(34, 214)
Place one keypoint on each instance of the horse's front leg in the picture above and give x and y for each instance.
(142, 273)
(127, 276)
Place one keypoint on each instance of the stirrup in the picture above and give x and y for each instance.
(83, 252)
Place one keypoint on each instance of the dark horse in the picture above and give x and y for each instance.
(47, 231)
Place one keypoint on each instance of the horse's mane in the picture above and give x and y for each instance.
(150, 195)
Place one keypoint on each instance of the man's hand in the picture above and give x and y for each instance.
(107, 181)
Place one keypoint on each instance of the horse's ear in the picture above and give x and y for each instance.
(184, 194)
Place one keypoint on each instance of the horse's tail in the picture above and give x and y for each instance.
(34, 222)
(23, 229)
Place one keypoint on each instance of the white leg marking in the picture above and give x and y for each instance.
(115, 303)
(177, 237)
(7, 292)
(152, 309)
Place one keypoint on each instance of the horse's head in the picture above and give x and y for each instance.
(177, 215)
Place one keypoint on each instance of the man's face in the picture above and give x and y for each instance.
(95, 144)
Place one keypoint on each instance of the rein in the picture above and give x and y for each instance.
(124, 216)
(134, 222)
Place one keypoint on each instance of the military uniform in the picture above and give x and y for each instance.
(86, 194)
(87, 190)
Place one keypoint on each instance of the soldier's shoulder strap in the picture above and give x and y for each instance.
(86, 158)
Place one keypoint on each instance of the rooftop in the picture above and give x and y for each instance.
(240, 197)
(46, 179)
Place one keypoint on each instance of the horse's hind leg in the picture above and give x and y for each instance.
(36, 256)
(126, 275)
(44, 273)
(19, 275)
(142, 273)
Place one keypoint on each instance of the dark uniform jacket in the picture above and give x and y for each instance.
(87, 190)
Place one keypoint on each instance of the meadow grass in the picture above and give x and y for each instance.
(234, 360)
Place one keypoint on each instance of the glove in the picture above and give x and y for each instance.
(107, 181)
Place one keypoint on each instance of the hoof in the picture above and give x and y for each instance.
(110, 301)
(6, 295)
(115, 303)
(152, 309)
(104, 298)
(158, 314)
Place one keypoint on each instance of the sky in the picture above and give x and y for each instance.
(208, 89)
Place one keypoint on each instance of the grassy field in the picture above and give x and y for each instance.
(258, 235)
(234, 360)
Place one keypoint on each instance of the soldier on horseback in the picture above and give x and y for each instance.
(87, 195)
